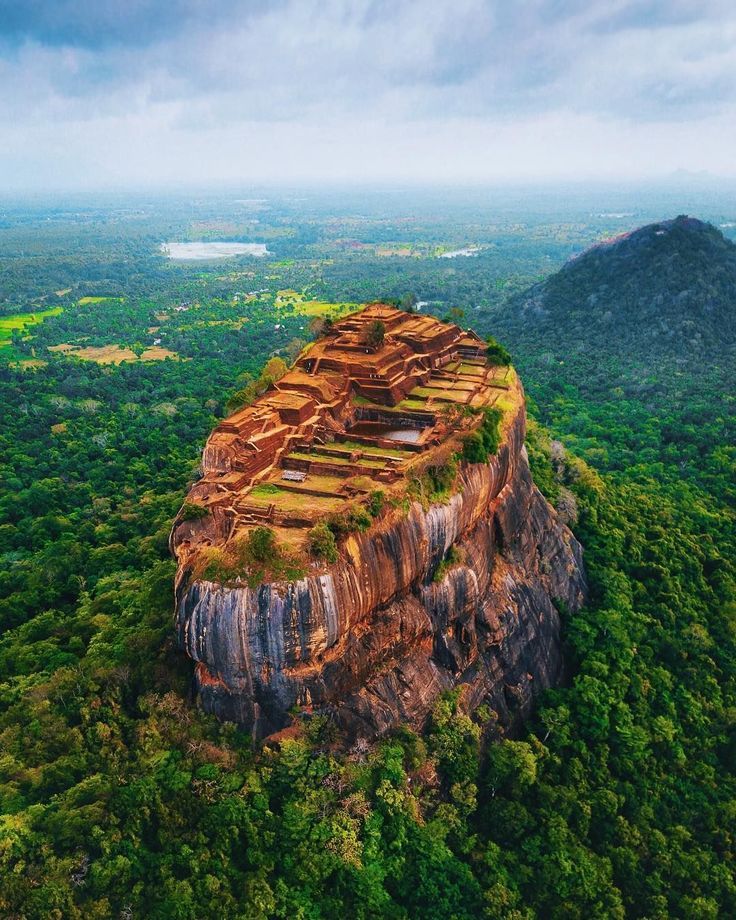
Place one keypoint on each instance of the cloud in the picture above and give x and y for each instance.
(194, 71)
(101, 24)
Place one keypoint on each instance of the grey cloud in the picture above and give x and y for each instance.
(479, 57)
(194, 69)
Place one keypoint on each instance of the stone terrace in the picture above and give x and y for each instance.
(346, 419)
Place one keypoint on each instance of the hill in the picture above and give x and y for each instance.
(631, 348)
(666, 290)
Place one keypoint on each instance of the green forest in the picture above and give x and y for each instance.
(120, 799)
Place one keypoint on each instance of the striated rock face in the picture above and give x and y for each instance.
(374, 638)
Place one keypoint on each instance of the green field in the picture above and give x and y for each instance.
(307, 307)
(83, 301)
(21, 321)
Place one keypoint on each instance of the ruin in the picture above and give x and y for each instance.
(436, 589)
(349, 417)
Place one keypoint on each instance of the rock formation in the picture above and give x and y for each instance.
(438, 591)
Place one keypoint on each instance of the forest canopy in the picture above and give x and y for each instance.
(118, 797)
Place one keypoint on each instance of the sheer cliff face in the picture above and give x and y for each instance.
(376, 637)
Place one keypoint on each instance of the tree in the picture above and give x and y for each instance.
(322, 544)
(375, 334)
(511, 766)
(262, 544)
(321, 326)
(496, 353)
(275, 368)
(454, 315)
(294, 349)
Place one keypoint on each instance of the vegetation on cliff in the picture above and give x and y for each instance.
(483, 443)
(254, 558)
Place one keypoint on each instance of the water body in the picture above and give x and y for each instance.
(384, 430)
(407, 435)
(199, 252)
(468, 251)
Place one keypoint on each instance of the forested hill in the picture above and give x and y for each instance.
(666, 290)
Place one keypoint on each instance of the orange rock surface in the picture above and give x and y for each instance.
(347, 417)
(374, 637)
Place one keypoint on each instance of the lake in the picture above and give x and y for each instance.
(467, 252)
(198, 252)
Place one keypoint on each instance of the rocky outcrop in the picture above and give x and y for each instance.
(377, 636)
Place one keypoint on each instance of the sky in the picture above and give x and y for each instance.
(115, 93)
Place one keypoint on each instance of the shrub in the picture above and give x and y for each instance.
(375, 334)
(349, 521)
(496, 353)
(441, 477)
(261, 544)
(256, 557)
(376, 502)
(483, 443)
(214, 566)
(359, 519)
(322, 543)
(473, 450)
(434, 483)
(452, 557)
(191, 511)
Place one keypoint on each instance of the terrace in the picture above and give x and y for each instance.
(348, 418)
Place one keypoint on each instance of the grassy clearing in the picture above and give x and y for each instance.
(340, 461)
(19, 322)
(305, 307)
(324, 482)
(323, 308)
(377, 451)
(459, 386)
(474, 369)
(302, 455)
(111, 354)
(156, 353)
(286, 500)
(454, 396)
(403, 252)
(83, 301)
(413, 402)
(363, 401)
(432, 392)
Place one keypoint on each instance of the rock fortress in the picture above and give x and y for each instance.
(367, 535)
